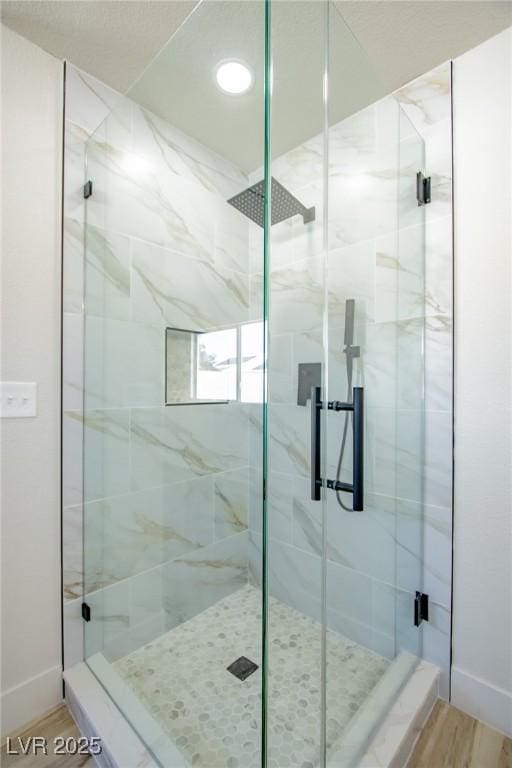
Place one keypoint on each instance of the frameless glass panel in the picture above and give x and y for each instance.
(173, 396)
(297, 289)
(252, 363)
(375, 361)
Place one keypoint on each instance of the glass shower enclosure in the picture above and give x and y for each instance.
(254, 395)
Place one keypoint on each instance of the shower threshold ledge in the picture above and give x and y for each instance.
(96, 715)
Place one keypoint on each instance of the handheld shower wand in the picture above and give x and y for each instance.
(350, 352)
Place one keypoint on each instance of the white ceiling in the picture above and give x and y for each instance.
(376, 46)
(111, 39)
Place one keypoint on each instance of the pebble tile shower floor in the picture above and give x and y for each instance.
(214, 718)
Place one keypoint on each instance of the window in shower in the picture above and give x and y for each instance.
(214, 366)
(200, 366)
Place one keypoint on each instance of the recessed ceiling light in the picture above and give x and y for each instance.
(233, 77)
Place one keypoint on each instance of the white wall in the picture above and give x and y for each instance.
(30, 328)
(482, 638)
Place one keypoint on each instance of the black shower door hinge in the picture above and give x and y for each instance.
(87, 189)
(86, 612)
(420, 608)
(423, 188)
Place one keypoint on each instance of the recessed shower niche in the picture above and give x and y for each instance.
(214, 366)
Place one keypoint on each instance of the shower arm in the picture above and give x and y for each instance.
(357, 408)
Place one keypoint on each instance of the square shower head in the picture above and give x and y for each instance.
(283, 204)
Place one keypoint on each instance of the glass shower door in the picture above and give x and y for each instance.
(346, 307)
(173, 397)
(376, 284)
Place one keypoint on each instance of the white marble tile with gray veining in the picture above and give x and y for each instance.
(351, 275)
(128, 534)
(438, 164)
(196, 581)
(73, 628)
(362, 199)
(123, 364)
(188, 294)
(75, 138)
(106, 452)
(110, 616)
(438, 458)
(411, 159)
(410, 455)
(439, 267)
(279, 505)
(349, 592)
(294, 240)
(231, 502)
(184, 156)
(72, 552)
(146, 200)
(72, 456)
(89, 101)
(363, 542)
(355, 140)
(72, 349)
(136, 197)
(73, 267)
(294, 576)
(414, 279)
(427, 99)
(439, 363)
(299, 166)
(107, 274)
(289, 446)
(296, 296)
(179, 443)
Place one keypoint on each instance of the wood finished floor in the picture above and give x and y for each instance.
(58, 722)
(450, 739)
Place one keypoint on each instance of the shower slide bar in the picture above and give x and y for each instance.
(357, 408)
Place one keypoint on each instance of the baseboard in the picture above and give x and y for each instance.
(31, 699)
(485, 702)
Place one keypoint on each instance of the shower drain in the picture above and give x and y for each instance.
(242, 668)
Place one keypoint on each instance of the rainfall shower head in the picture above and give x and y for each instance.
(283, 204)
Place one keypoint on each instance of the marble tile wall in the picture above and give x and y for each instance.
(395, 260)
(165, 488)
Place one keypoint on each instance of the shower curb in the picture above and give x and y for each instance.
(95, 714)
(394, 742)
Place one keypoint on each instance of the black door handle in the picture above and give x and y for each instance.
(357, 408)
(316, 416)
(358, 449)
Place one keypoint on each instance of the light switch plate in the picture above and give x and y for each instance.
(18, 399)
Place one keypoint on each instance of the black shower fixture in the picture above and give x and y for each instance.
(283, 205)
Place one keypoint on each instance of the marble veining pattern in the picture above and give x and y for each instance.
(214, 718)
